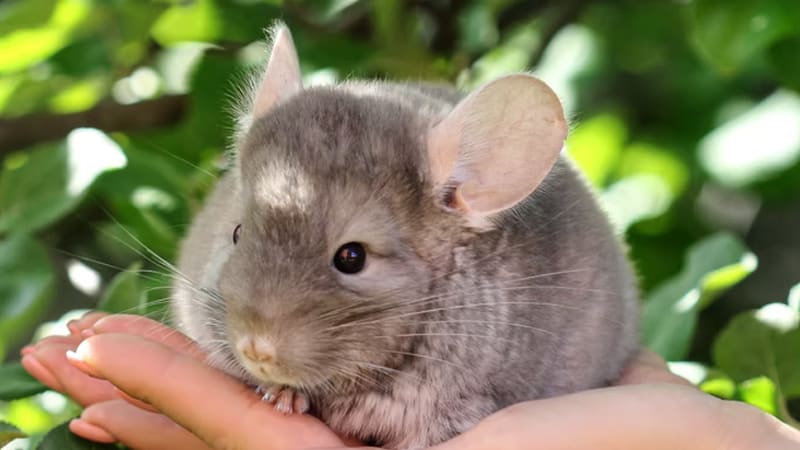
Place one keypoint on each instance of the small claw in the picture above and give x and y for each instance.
(272, 393)
(284, 401)
(301, 405)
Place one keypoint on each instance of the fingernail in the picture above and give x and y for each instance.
(73, 327)
(135, 401)
(90, 431)
(87, 333)
(27, 350)
(35, 367)
(77, 361)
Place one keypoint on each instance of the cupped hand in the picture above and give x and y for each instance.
(145, 385)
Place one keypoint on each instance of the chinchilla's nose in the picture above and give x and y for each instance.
(257, 349)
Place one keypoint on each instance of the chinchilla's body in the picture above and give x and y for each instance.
(487, 274)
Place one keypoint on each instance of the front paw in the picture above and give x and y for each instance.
(285, 399)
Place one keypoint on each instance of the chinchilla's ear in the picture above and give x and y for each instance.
(281, 79)
(495, 147)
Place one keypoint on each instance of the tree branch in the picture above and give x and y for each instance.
(24, 131)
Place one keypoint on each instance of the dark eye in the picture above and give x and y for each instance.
(236, 232)
(350, 258)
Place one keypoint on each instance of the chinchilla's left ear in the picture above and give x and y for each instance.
(281, 79)
(496, 146)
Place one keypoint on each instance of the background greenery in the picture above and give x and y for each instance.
(686, 118)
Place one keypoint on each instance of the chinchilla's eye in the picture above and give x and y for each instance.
(236, 232)
(350, 258)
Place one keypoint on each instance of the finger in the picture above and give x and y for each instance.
(39, 371)
(215, 407)
(118, 421)
(49, 365)
(50, 340)
(649, 367)
(91, 432)
(86, 321)
(149, 329)
(56, 339)
(47, 341)
(651, 416)
(749, 428)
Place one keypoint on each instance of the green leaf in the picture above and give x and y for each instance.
(596, 146)
(759, 392)
(721, 387)
(123, 294)
(42, 186)
(26, 283)
(670, 312)
(785, 59)
(16, 383)
(762, 343)
(60, 438)
(195, 21)
(22, 48)
(27, 14)
(8, 433)
(731, 33)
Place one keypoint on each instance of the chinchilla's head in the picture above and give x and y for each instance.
(351, 201)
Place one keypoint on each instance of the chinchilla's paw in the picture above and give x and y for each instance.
(285, 399)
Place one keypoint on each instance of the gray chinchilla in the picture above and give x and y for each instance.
(401, 261)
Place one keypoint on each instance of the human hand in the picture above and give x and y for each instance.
(650, 408)
(161, 388)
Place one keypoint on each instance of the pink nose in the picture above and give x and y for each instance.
(256, 349)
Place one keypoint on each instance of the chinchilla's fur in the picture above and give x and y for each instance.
(448, 321)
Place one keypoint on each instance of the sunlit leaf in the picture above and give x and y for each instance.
(722, 279)
(194, 21)
(721, 387)
(53, 179)
(726, 152)
(123, 294)
(25, 14)
(694, 372)
(23, 47)
(78, 97)
(8, 85)
(29, 416)
(644, 158)
(636, 198)
(26, 283)
(670, 311)
(759, 392)
(16, 383)
(596, 144)
(60, 438)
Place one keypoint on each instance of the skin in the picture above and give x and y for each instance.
(146, 403)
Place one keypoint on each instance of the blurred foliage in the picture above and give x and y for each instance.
(686, 119)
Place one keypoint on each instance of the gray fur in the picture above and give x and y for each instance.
(447, 324)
